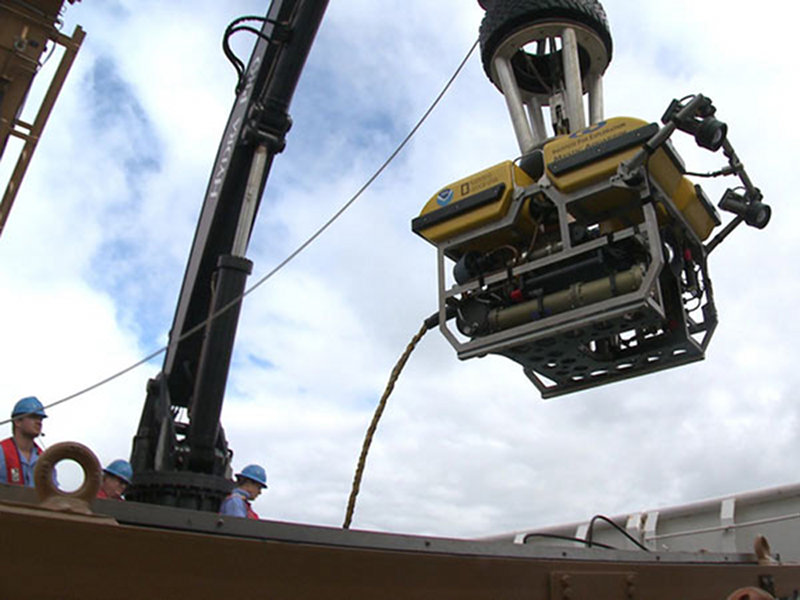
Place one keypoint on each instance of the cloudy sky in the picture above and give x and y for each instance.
(93, 254)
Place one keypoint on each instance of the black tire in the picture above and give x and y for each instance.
(505, 17)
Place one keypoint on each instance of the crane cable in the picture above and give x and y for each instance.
(285, 261)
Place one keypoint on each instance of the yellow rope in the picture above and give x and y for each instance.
(351, 503)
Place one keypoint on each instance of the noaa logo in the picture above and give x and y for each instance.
(444, 197)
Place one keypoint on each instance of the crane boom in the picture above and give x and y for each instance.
(188, 464)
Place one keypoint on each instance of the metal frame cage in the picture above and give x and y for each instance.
(611, 279)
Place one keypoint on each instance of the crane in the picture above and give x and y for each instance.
(186, 461)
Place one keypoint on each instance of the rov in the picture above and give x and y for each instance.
(584, 260)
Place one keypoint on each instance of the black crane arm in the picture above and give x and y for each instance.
(186, 464)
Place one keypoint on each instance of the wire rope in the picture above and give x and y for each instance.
(286, 260)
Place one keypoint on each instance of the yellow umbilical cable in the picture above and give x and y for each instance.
(362, 459)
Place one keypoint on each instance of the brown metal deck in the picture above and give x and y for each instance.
(142, 551)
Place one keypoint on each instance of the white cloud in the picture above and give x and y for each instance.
(464, 448)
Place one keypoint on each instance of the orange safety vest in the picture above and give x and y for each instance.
(13, 461)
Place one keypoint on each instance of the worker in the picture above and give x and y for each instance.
(20, 452)
(117, 477)
(249, 484)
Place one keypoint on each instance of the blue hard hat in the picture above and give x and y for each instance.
(254, 473)
(28, 406)
(120, 468)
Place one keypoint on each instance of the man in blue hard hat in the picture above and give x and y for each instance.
(249, 484)
(20, 452)
(117, 477)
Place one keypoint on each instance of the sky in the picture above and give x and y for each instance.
(93, 254)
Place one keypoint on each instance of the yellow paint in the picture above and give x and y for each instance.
(662, 169)
(506, 172)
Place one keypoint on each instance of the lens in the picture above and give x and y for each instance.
(711, 134)
(757, 215)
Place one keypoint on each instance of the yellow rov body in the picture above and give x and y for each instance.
(584, 261)
(572, 163)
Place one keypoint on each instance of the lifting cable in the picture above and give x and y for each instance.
(429, 323)
(286, 260)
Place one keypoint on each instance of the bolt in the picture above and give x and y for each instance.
(566, 592)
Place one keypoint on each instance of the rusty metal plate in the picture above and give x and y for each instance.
(572, 585)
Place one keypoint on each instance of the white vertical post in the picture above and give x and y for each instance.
(634, 526)
(572, 80)
(727, 512)
(581, 531)
(537, 119)
(596, 109)
(519, 120)
(650, 528)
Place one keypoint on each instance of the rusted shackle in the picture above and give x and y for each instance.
(50, 496)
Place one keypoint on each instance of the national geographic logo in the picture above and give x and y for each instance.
(591, 136)
(476, 184)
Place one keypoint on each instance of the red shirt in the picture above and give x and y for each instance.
(101, 493)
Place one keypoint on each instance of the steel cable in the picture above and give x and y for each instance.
(289, 258)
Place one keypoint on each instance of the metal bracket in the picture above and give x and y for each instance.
(767, 583)
(267, 125)
(14, 127)
(568, 585)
